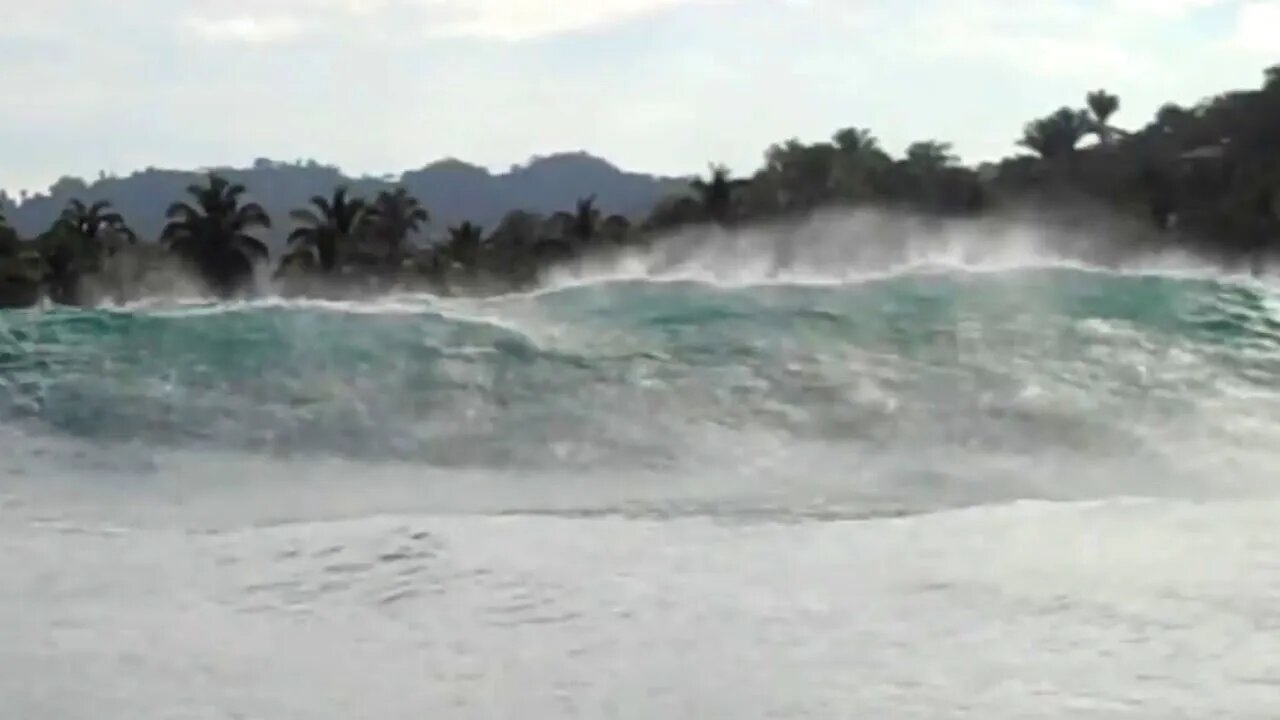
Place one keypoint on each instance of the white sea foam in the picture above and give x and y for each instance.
(1117, 609)
(671, 488)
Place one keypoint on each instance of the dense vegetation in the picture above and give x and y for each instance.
(456, 191)
(1206, 176)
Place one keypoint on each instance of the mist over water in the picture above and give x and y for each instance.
(976, 466)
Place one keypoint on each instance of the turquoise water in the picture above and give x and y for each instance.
(939, 372)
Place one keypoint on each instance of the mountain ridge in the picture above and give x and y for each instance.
(452, 190)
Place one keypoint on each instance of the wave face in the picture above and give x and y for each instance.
(900, 393)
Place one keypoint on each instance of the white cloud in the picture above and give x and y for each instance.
(1047, 39)
(526, 19)
(1165, 8)
(262, 21)
(1258, 27)
(245, 29)
(1116, 38)
(266, 21)
(711, 85)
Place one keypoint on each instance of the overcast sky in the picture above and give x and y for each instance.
(666, 86)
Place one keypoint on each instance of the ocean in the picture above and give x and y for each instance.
(1032, 489)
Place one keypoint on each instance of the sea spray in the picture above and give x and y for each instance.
(1010, 485)
(925, 387)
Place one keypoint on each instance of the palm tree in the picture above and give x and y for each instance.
(1057, 135)
(88, 221)
(392, 217)
(857, 141)
(585, 221)
(925, 176)
(858, 163)
(213, 233)
(802, 175)
(330, 225)
(8, 238)
(1103, 105)
(717, 194)
(464, 245)
(518, 229)
(929, 157)
(1170, 120)
(674, 211)
(615, 229)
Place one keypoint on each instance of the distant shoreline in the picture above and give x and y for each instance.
(1204, 179)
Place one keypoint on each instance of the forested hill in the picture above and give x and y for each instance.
(453, 191)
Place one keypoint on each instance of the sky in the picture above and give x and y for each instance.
(663, 86)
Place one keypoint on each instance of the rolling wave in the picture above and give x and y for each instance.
(977, 486)
(928, 387)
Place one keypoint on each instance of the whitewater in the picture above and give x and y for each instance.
(694, 485)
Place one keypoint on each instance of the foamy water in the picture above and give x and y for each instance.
(948, 486)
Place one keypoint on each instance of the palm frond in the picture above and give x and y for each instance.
(181, 242)
(307, 217)
(176, 228)
(252, 246)
(232, 193)
(299, 256)
(181, 211)
(252, 215)
(322, 204)
(347, 215)
(303, 235)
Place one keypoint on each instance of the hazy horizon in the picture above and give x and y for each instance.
(653, 86)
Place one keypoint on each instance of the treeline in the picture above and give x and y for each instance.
(1206, 176)
(456, 191)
